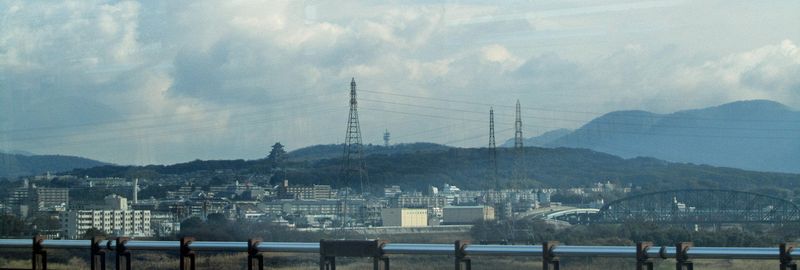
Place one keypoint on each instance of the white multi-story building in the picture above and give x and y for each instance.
(113, 218)
(130, 223)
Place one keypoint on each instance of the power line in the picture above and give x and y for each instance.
(602, 130)
(577, 112)
(583, 121)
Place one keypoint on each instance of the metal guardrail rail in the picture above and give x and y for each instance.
(381, 250)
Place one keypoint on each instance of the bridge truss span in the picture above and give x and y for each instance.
(700, 206)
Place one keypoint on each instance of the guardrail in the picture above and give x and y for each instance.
(381, 250)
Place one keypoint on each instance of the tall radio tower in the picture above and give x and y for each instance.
(519, 150)
(493, 150)
(353, 167)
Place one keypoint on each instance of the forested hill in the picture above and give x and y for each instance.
(12, 165)
(468, 168)
(328, 151)
(552, 167)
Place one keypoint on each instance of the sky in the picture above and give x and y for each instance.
(159, 82)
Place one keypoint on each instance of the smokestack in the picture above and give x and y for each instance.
(135, 190)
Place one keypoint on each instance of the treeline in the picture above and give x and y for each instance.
(14, 227)
(468, 168)
(537, 231)
(217, 227)
(179, 168)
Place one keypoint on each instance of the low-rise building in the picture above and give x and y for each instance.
(405, 217)
(404, 201)
(467, 214)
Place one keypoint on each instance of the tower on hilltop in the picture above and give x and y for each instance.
(386, 136)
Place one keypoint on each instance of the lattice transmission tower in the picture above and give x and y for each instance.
(493, 150)
(519, 149)
(354, 170)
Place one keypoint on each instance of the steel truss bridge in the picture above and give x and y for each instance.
(699, 206)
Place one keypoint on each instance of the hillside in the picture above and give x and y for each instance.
(468, 168)
(19, 165)
(753, 135)
(327, 151)
(541, 140)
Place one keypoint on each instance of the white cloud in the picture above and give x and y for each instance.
(168, 81)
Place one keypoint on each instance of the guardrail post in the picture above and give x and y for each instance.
(379, 257)
(461, 258)
(787, 263)
(187, 254)
(642, 260)
(682, 256)
(330, 249)
(326, 262)
(122, 254)
(549, 257)
(255, 260)
(39, 256)
(98, 255)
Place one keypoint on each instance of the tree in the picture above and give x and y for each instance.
(277, 155)
(12, 226)
(276, 159)
(91, 233)
(45, 223)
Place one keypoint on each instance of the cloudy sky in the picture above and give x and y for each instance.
(170, 81)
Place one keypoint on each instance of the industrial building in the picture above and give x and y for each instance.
(467, 214)
(405, 217)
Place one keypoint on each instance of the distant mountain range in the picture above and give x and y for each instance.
(19, 163)
(541, 140)
(756, 135)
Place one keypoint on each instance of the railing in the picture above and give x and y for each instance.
(381, 250)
